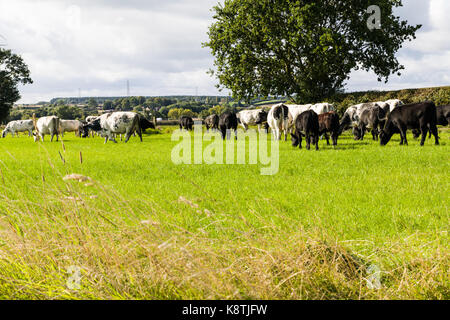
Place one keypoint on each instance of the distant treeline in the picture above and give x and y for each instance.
(439, 95)
(172, 107)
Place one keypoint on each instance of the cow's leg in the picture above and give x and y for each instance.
(139, 132)
(327, 138)
(363, 132)
(106, 139)
(334, 137)
(434, 131)
(403, 135)
(127, 136)
(299, 139)
(424, 132)
(317, 141)
(308, 141)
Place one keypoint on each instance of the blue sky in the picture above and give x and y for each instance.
(96, 46)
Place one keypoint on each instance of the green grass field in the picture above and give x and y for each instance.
(144, 228)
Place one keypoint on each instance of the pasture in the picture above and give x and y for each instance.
(146, 228)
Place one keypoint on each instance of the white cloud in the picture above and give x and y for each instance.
(98, 45)
(426, 59)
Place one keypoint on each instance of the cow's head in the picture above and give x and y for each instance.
(4, 133)
(386, 134)
(94, 125)
(261, 117)
(356, 133)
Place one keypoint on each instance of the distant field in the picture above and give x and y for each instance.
(144, 228)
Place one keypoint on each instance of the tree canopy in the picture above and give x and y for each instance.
(13, 71)
(302, 49)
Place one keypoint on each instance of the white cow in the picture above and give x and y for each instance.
(47, 125)
(352, 115)
(71, 126)
(251, 117)
(278, 119)
(14, 127)
(394, 103)
(111, 124)
(295, 110)
(321, 108)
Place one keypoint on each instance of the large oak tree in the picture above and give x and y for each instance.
(302, 49)
(13, 71)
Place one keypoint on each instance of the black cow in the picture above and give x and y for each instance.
(329, 123)
(145, 124)
(306, 124)
(212, 122)
(371, 118)
(442, 118)
(443, 115)
(228, 121)
(419, 116)
(187, 123)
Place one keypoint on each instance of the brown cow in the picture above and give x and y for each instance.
(329, 123)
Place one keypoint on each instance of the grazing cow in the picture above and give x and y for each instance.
(321, 108)
(187, 123)
(71, 126)
(212, 122)
(329, 122)
(442, 119)
(252, 117)
(14, 127)
(306, 124)
(411, 116)
(278, 119)
(228, 121)
(145, 124)
(443, 115)
(352, 115)
(110, 124)
(88, 120)
(47, 125)
(261, 119)
(370, 119)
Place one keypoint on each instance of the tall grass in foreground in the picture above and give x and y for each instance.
(144, 229)
(129, 251)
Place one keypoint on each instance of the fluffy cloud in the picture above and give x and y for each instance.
(426, 59)
(97, 45)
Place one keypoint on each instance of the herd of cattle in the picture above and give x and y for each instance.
(382, 119)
